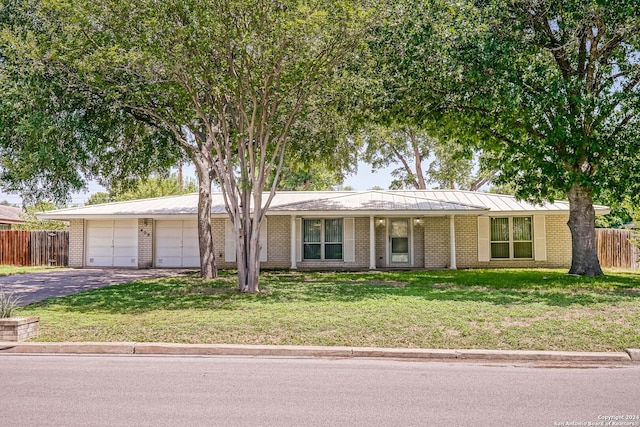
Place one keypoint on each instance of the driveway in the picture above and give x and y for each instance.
(34, 287)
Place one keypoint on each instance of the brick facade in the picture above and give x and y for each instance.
(145, 243)
(430, 244)
(558, 240)
(76, 243)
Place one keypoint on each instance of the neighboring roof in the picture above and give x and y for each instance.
(10, 215)
(372, 202)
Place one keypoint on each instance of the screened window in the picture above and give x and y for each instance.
(511, 238)
(322, 238)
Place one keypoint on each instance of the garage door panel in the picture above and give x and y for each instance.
(177, 244)
(101, 223)
(191, 261)
(112, 243)
(169, 261)
(168, 224)
(100, 242)
(100, 233)
(124, 261)
(95, 251)
(98, 261)
(163, 252)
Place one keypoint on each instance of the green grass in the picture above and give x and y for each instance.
(490, 309)
(8, 270)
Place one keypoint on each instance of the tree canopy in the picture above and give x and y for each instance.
(547, 89)
(560, 96)
(56, 133)
(226, 82)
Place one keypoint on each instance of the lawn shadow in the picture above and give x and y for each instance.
(498, 287)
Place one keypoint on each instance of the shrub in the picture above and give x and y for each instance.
(8, 304)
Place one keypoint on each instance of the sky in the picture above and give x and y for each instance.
(364, 179)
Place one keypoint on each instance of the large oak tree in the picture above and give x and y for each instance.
(559, 93)
(550, 89)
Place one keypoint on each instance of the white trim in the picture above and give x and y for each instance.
(264, 234)
(293, 243)
(452, 243)
(539, 238)
(229, 242)
(411, 251)
(348, 240)
(484, 239)
(372, 243)
(298, 239)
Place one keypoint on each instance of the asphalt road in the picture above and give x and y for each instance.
(243, 391)
(34, 287)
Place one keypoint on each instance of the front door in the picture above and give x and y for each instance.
(399, 241)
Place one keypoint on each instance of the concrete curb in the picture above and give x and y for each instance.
(133, 348)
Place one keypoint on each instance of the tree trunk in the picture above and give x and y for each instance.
(418, 159)
(208, 268)
(249, 248)
(584, 260)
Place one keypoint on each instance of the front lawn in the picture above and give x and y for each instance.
(489, 309)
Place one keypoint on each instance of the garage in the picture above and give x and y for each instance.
(112, 243)
(177, 244)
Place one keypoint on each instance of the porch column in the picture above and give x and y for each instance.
(294, 239)
(372, 243)
(452, 240)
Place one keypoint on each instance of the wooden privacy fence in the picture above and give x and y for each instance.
(615, 248)
(24, 247)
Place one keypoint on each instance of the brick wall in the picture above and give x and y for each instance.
(76, 243)
(430, 244)
(558, 238)
(145, 243)
(279, 241)
(436, 242)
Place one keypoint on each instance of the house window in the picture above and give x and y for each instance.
(511, 238)
(322, 238)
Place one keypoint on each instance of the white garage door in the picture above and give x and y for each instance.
(177, 244)
(112, 243)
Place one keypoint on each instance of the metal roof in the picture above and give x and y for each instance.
(372, 202)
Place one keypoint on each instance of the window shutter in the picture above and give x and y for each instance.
(348, 245)
(229, 242)
(263, 240)
(298, 239)
(539, 238)
(484, 239)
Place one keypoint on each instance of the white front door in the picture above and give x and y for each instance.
(177, 244)
(399, 246)
(112, 243)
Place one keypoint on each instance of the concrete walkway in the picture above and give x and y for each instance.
(34, 287)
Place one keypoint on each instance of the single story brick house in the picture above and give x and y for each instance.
(354, 230)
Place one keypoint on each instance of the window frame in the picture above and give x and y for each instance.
(323, 239)
(511, 240)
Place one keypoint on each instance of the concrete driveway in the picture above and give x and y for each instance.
(33, 287)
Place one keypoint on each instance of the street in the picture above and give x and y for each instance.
(45, 390)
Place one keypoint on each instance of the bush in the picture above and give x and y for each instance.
(8, 304)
